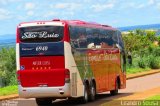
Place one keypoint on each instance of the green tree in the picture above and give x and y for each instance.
(158, 39)
(139, 39)
(151, 35)
(140, 32)
(8, 65)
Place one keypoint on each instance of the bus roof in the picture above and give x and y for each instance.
(87, 24)
(74, 23)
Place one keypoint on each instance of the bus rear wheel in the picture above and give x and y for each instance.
(85, 98)
(115, 91)
(44, 101)
(92, 92)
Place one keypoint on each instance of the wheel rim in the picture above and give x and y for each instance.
(86, 95)
(93, 93)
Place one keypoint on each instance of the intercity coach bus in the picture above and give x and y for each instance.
(68, 59)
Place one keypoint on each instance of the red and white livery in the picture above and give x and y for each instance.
(68, 58)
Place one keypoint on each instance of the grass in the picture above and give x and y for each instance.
(156, 97)
(151, 101)
(8, 90)
(136, 70)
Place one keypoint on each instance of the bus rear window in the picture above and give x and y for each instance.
(41, 34)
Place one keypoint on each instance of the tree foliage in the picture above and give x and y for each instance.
(138, 40)
(145, 48)
(8, 65)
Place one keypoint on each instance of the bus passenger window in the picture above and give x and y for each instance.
(78, 37)
(82, 41)
(106, 39)
(90, 38)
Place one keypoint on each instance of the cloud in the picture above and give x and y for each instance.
(128, 5)
(151, 2)
(140, 6)
(135, 5)
(50, 14)
(5, 2)
(29, 6)
(101, 7)
(21, 18)
(158, 6)
(87, 1)
(68, 6)
(71, 13)
(12, 0)
(62, 6)
(30, 13)
(4, 14)
(3, 11)
(115, 22)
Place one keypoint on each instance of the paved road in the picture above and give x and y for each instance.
(133, 86)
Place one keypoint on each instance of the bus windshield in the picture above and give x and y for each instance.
(37, 34)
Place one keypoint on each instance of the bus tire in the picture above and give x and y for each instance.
(44, 101)
(115, 91)
(92, 92)
(85, 98)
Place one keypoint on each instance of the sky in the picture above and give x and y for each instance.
(117, 13)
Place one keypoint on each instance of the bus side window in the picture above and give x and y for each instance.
(82, 37)
(90, 38)
(102, 37)
(78, 37)
(115, 37)
(107, 40)
(73, 37)
(96, 34)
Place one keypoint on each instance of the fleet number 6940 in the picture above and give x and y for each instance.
(41, 48)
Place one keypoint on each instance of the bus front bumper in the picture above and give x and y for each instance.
(40, 92)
